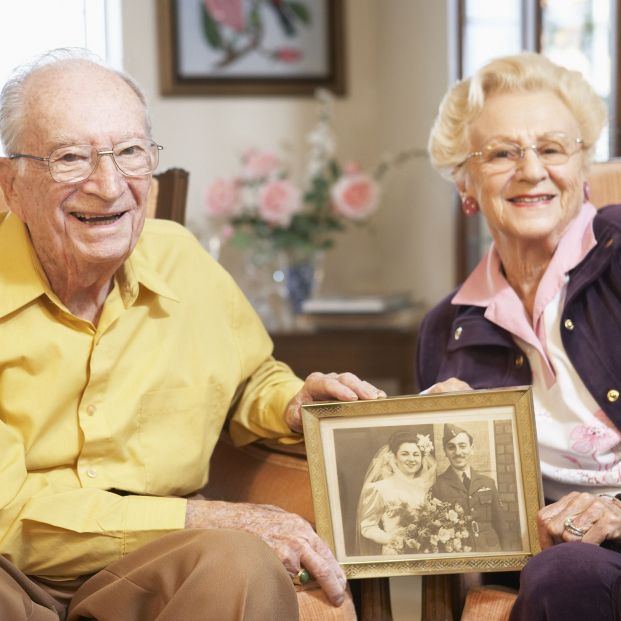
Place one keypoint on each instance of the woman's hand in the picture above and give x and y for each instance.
(291, 538)
(598, 516)
(323, 387)
(452, 384)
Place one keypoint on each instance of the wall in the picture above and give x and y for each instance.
(397, 72)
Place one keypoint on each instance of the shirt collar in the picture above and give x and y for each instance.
(487, 282)
(488, 288)
(139, 270)
(23, 280)
(460, 473)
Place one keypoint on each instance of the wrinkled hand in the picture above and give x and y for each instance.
(600, 516)
(452, 384)
(291, 538)
(325, 387)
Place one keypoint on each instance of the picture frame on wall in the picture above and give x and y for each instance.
(251, 47)
(388, 489)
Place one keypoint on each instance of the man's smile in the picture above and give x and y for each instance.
(97, 219)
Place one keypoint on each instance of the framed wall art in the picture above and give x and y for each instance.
(428, 484)
(251, 47)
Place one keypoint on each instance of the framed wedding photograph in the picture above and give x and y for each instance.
(251, 47)
(426, 484)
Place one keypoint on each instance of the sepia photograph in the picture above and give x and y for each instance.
(426, 484)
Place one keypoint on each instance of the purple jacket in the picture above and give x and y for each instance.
(458, 341)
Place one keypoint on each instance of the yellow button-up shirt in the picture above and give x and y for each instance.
(135, 403)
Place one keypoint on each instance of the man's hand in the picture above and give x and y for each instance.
(599, 517)
(326, 387)
(291, 538)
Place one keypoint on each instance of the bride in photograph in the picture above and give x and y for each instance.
(398, 480)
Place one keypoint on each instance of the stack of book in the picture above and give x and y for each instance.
(381, 310)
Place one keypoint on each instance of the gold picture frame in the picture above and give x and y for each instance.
(358, 493)
(263, 49)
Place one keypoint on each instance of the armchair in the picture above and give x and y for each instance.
(168, 193)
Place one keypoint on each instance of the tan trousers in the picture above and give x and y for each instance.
(189, 575)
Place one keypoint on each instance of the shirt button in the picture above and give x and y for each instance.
(91, 473)
(519, 361)
(569, 324)
(91, 409)
(458, 332)
(612, 395)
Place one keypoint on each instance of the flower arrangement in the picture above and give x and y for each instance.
(263, 203)
(434, 527)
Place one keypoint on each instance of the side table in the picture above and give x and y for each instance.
(373, 353)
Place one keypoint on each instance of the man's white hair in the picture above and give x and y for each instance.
(12, 105)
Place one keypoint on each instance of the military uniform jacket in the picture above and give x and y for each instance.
(481, 502)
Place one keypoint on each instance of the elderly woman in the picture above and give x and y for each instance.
(543, 307)
(398, 479)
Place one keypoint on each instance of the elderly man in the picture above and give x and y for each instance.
(123, 348)
(476, 493)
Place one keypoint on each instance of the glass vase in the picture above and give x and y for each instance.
(276, 282)
(263, 282)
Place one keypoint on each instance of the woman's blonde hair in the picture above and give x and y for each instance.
(527, 72)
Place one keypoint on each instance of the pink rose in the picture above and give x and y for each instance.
(355, 196)
(278, 201)
(222, 198)
(227, 12)
(259, 164)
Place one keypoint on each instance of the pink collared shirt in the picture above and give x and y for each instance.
(576, 439)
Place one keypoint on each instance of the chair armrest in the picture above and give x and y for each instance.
(488, 603)
(261, 473)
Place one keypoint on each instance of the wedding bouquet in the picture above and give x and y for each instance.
(434, 527)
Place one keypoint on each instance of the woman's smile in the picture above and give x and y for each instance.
(531, 200)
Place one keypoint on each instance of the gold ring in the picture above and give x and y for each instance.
(573, 529)
(302, 577)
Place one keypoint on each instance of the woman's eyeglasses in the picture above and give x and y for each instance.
(502, 156)
(74, 163)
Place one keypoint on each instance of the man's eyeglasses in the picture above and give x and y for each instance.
(501, 156)
(74, 163)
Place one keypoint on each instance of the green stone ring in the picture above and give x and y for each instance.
(302, 577)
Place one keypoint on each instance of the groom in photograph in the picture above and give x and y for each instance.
(476, 493)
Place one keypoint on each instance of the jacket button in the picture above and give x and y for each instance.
(612, 395)
(519, 361)
(609, 242)
(569, 324)
(458, 332)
